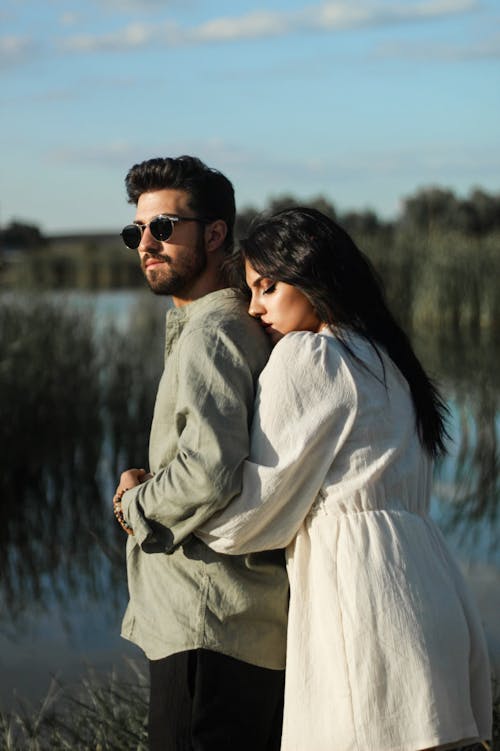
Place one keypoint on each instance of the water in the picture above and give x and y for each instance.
(62, 584)
(78, 415)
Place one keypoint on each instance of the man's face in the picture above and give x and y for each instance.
(172, 267)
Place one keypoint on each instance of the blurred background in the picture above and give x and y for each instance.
(385, 115)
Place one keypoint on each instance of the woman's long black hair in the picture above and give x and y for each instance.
(303, 247)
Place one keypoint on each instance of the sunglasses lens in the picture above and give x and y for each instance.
(131, 236)
(161, 228)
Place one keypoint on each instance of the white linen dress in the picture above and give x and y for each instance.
(385, 646)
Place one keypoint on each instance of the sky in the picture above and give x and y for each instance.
(363, 102)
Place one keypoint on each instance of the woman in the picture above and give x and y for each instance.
(385, 647)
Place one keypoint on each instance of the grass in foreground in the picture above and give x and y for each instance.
(103, 715)
(107, 715)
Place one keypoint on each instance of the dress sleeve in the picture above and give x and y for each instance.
(212, 412)
(305, 409)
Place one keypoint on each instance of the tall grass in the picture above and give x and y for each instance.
(109, 715)
(446, 280)
(99, 715)
(433, 277)
(75, 409)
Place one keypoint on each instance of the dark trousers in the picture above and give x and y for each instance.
(206, 701)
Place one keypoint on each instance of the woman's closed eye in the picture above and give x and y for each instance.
(268, 290)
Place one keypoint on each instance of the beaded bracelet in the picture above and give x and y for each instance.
(118, 512)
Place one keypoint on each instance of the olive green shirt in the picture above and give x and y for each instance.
(182, 594)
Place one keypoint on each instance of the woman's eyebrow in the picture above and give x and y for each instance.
(256, 282)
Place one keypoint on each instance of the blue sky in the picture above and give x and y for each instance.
(363, 102)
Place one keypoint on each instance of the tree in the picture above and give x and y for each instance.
(430, 209)
(21, 236)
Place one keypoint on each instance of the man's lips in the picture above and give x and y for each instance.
(153, 262)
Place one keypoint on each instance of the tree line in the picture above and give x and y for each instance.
(430, 209)
(439, 260)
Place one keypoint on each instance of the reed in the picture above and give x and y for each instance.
(441, 279)
(436, 277)
(107, 714)
(102, 715)
(75, 407)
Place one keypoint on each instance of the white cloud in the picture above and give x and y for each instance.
(484, 49)
(141, 35)
(327, 16)
(338, 15)
(430, 160)
(69, 19)
(140, 5)
(446, 7)
(213, 151)
(15, 50)
(133, 36)
(258, 24)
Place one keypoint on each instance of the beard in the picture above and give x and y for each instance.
(174, 277)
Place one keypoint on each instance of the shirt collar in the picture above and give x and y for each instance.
(178, 317)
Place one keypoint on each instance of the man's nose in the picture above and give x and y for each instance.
(148, 241)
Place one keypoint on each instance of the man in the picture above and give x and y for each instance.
(212, 626)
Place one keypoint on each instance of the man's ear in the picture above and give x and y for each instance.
(215, 234)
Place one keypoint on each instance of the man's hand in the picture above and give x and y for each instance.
(128, 479)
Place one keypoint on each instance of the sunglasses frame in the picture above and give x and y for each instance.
(161, 236)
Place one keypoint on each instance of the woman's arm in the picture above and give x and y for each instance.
(213, 403)
(304, 412)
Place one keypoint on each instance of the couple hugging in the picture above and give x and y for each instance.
(283, 518)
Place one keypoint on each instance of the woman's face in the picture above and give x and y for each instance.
(280, 307)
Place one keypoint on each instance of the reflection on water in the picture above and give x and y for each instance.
(466, 488)
(76, 397)
(75, 408)
(467, 492)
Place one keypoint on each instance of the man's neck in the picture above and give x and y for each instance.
(203, 286)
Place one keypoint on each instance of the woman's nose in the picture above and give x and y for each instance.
(255, 309)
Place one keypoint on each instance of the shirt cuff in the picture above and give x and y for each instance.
(132, 513)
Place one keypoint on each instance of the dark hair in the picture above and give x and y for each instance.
(303, 247)
(211, 194)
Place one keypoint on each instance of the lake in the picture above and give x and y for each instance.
(78, 388)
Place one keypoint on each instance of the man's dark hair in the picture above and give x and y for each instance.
(211, 194)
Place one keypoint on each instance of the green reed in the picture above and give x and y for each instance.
(75, 407)
(102, 715)
(433, 277)
(446, 280)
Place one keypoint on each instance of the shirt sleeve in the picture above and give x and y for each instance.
(305, 410)
(214, 401)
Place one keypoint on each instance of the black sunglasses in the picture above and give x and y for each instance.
(161, 227)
